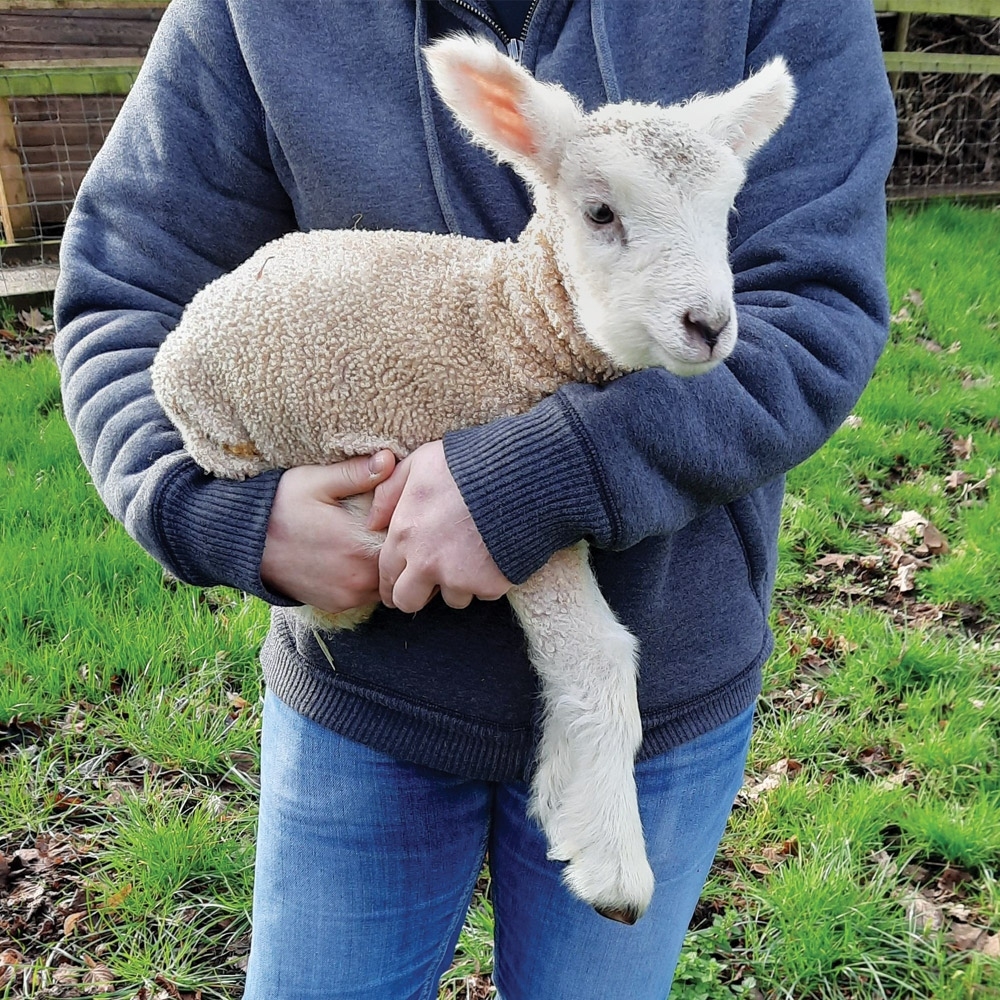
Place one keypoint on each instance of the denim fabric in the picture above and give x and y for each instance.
(366, 866)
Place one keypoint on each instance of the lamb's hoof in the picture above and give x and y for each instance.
(619, 888)
(623, 915)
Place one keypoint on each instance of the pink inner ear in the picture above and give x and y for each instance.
(497, 100)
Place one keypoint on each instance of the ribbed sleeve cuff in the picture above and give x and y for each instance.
(532, 485)
(214, 529)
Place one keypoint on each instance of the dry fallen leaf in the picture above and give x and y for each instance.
(753, 788)
(837, 559)
(168, 987)
(97, 975)
(934, 540)
(9, 960)
(786, 849)
(961, 448)
(967, 937)
(27, 894)
(898, 779)
(67, 975)
(34, 320)
(170, 991)
(69, 924)
(956, 479)
(923, 913)
(118, 898)
(243, 762)
(884, 860)
(904, 579)
(909, 527)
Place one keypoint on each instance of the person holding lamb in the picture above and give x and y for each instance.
(490, 329)
(397, 754)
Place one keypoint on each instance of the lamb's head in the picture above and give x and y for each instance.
(635, 197)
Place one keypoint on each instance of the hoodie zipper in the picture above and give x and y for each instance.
(514, 46)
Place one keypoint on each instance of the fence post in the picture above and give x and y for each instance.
(902, 30)
(14, 207)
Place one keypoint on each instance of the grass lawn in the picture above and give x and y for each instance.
(862, 856)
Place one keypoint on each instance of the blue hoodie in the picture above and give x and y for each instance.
(250, 119)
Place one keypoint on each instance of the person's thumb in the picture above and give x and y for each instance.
(358, 475)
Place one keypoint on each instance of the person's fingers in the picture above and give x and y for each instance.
(316, 550)
(357, 475)
(412, 591)
(390, 568)
(387, 495)
(456, 598)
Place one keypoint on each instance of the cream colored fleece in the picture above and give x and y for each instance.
(329, 344)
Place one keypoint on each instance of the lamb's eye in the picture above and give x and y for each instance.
(600, 215)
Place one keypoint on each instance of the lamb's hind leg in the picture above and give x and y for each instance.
(583, 792)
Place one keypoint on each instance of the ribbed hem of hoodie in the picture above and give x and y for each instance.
(662, 731)
(532, 486)
(420, 735)
(214, 529)
(392, 725)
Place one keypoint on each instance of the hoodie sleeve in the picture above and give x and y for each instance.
(182, 190)
(649, 452)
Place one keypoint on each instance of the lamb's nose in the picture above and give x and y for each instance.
(703, 328)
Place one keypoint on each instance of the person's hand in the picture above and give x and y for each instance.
(315, 550)
(432, 543)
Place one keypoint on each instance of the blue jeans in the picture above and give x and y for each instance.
(366, 866)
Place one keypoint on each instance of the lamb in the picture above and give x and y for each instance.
(329, 344)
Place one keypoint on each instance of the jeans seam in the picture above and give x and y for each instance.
(434, 978)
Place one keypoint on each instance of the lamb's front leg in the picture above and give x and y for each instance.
(583, 792)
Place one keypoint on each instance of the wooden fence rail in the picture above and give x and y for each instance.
(37, 184)
(901, 61)
(65, 67)
(46, 140)
(45, 78)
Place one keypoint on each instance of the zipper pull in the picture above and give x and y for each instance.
(515, 49)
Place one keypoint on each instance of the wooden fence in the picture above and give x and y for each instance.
(898, 60)
(947, 102)
(65, 66)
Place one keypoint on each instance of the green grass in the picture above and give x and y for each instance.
(130, 710)
(862, 853)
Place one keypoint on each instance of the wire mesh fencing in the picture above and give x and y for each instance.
(52, 123)
(55, 115)
(65, 67)
(947, 90)
(949, 136)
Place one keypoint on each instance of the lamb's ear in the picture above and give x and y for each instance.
(749, 114)
(521, 121)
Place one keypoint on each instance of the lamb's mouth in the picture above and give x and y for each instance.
(687, 366)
